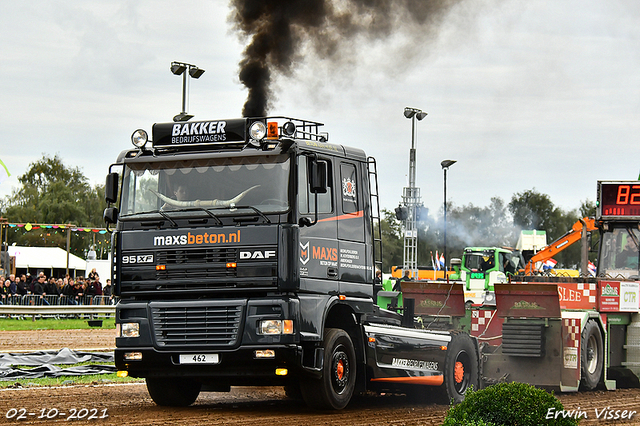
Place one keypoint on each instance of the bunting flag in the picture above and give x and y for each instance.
(592, 269)
(30, 227)
(437, 261)
(4, 172)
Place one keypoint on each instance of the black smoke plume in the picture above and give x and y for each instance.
(278, 32)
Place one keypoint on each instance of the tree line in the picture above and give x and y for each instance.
(496, 225)
(54, 193)
(51, 192)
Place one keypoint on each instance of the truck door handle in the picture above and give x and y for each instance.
(332, 272)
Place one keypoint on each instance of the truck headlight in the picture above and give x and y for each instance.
(130, 329)
(257, 131)
(275, 326)
(139, 138)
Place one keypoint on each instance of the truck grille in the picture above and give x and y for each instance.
(198, 326)
(200, 269)
(198, 256)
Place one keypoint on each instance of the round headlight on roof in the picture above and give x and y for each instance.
(139, 138)
(258, 130)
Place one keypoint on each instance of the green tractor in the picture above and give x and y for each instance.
(482, 267)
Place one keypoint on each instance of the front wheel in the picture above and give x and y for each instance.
(461, 370)
(174, 392)
(335, 388)
(591, 356)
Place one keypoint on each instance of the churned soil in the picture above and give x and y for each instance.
(130, 404)
(44, 340)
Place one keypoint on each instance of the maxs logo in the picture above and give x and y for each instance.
(197, 239)
(318, 253)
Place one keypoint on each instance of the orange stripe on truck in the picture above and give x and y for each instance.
(419, 380)
(344, 216)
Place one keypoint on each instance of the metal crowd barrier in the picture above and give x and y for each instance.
(40, 300)
(58, 306)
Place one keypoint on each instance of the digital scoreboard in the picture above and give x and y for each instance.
(618, 200)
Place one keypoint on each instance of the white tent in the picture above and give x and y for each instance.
(102, 267)
(33, 259)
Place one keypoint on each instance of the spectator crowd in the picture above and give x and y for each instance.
(55, 291)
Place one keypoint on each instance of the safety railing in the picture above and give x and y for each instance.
(57, 300)
(34, 305)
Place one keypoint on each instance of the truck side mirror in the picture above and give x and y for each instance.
(318, 177)
(111, 188)
(110, 215)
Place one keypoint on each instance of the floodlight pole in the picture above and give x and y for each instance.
(445, 166)
(184, 93)
(411, 198)
(178, 68)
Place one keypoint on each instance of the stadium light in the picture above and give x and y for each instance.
(179, 68)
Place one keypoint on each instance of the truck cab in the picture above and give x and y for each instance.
(482, 267)
(244, 254)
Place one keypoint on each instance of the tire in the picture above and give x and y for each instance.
(461, 371)
(591, 356)
(334, 389)
(174, 392)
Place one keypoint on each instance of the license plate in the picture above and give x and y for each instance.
(199, 359)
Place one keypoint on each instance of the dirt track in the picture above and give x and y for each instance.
(41, 340)
(130, 404)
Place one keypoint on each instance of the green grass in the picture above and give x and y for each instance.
(93, 379)
(28, 323)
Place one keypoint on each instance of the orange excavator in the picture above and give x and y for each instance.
(575, 233)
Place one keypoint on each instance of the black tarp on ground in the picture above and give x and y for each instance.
(44, 363)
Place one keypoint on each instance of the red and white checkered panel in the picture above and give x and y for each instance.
(480, 319)
(572, 332)
(589, 291)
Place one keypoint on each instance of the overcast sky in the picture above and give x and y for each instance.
(523, 94)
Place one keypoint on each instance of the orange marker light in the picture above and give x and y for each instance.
(272, 130)
(342, 297)
(443, 348)
(161, 267)
(372, 339)
(232, 265)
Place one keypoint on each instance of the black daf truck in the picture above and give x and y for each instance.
(244, 253)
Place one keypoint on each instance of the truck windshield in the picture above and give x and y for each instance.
(479, 261)
(619, 255)
(261, 182)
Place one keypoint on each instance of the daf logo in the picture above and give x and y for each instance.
(258, 254)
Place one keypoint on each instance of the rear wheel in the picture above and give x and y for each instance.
(335, 388)
(591, 356)
(173, 392)
(460, 367)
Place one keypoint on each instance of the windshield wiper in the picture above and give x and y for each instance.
(166, 216)
(262, 215)
(207, 211)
